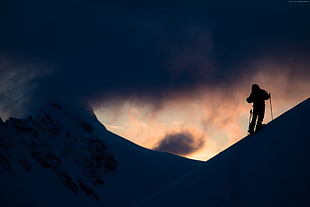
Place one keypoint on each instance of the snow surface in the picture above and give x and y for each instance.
(268, 169)
(38, 157)
(271, 168)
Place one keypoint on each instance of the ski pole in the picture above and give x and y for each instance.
(251, 114)
(270, 107)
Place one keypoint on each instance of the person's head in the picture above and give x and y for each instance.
(255, 87)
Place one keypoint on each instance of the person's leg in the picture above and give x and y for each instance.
(260, 114)
(253, 122)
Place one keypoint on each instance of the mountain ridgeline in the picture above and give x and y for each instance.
(268, 169)
(49, 141)
(66, 157)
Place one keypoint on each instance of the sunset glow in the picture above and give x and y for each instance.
(167, 76)
(218, 116)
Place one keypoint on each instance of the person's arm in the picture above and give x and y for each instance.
(266, 95)
(250, 98)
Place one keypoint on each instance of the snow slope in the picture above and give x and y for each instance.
(271, 168)
(65, 157)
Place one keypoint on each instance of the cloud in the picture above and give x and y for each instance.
(18, 83)
(146, 51)
(155, 55)
(180, 143)
(220, 111)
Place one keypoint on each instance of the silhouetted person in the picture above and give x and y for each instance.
(257, 97)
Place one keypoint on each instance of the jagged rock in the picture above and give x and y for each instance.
(23, 141)
(50, 126)
(5, 148)
(87, 127)
(88, 191)
(4, 162)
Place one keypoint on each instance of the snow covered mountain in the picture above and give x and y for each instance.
(269, 169)
(65, 157)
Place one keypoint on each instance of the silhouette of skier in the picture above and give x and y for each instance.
(257, 97)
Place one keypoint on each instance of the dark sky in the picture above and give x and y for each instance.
(96, 50)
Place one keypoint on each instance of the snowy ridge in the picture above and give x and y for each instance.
(268, 169)
(65, 156)
(76, 157)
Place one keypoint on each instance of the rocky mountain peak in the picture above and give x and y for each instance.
(56, 137)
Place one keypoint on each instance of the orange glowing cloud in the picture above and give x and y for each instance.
(214, 116)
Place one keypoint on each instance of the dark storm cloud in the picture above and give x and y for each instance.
(146, 50)
(181, 143)
(18, 81)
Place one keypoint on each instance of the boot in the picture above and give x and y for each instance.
(259, 126)
(251, 128)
